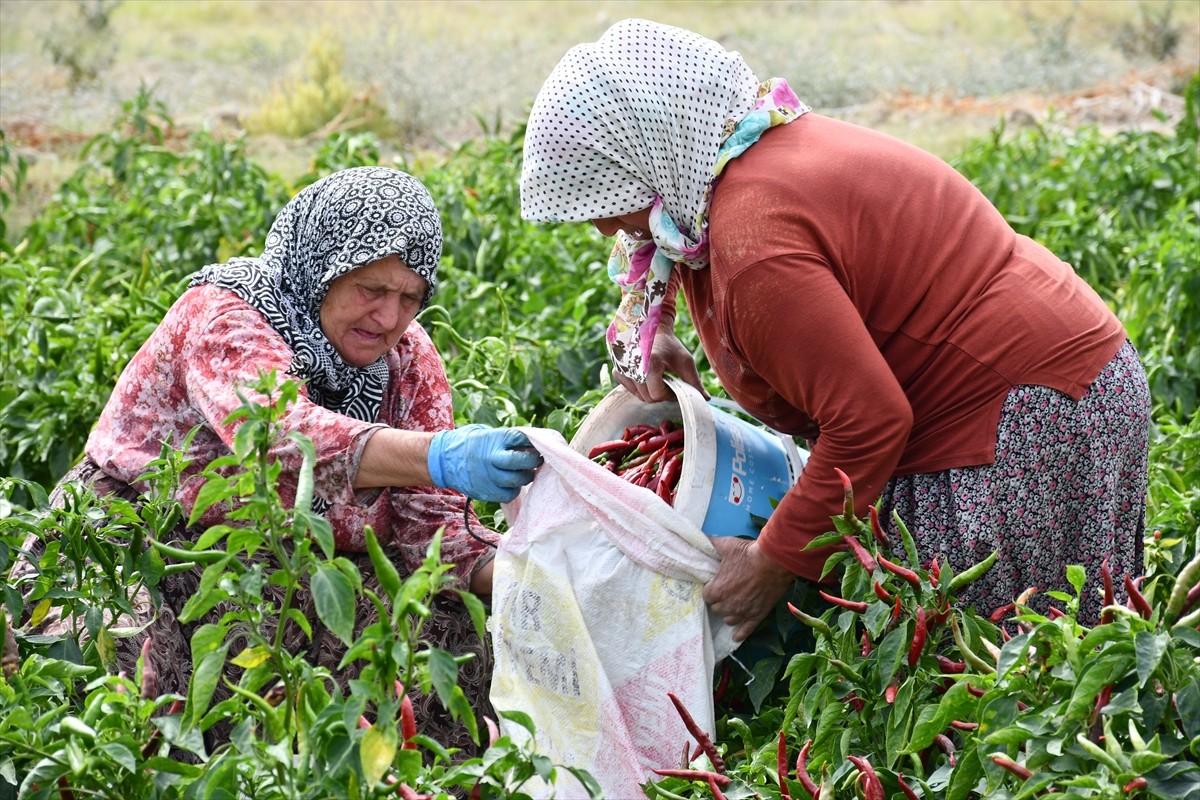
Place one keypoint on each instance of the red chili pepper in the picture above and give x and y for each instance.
(918, 640)
(716, 791)
(1012, 766)
(854, 605)
(903, 572)
(781, 766)
(1135, 784)
(1135, 596)
(149, 676)
(705, 741)
(945, 745)
(1190, 600)
(408, 722)
(964, 726)
(723, 683)
(861, 553)
(613, 449)
(975, 690)
(949, 666)
(1054, 613)
(694, 775)
(935, 572)
(872, 787)
(909, 794)
(881, 593)
(889, 694)
(881, 537)
(670, 477)
(809, 785)
(1001, 612)
(866, 643)
(896, 611)
(663, 440)
(847, 494)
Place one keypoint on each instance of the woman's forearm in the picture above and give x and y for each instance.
(394, 458)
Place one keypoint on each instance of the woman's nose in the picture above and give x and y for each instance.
(388, 312)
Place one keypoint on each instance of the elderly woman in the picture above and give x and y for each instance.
(332, 300)
(854, 290)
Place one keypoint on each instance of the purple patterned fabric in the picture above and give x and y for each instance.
(1085, 462)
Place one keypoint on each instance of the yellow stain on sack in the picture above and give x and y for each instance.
(671, 602)
(546, 640)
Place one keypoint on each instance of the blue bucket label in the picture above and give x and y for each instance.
(751, 475)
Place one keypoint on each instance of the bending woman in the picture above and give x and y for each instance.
(348, 264)
(859, 292)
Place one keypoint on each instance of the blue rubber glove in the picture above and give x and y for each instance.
(482, 462)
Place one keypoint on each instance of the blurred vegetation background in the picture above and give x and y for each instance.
(425, 75)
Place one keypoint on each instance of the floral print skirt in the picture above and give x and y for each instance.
(1068, 486)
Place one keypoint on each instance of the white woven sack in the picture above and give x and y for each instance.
(596, 615)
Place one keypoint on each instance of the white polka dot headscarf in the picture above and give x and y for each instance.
(645, 117)
(344, 221)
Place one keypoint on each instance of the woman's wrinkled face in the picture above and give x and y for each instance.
(366, 311)
(636, 224)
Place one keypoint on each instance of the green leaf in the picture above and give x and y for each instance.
(443, 672)
(334, 600)
(933, 720)
(251, 657)
(376, 750)
(1150, 648)
(205, 674)
(1076, 576)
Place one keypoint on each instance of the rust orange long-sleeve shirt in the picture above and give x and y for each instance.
(866, 296)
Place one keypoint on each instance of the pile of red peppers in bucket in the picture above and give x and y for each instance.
(646, 455)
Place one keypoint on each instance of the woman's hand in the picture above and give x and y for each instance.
(666, 355)
(482, 462)
(748, 584)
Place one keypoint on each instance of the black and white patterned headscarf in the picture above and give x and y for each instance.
(342, 222)
(646, 117)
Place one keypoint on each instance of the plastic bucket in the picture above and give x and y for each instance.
(734, 471)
